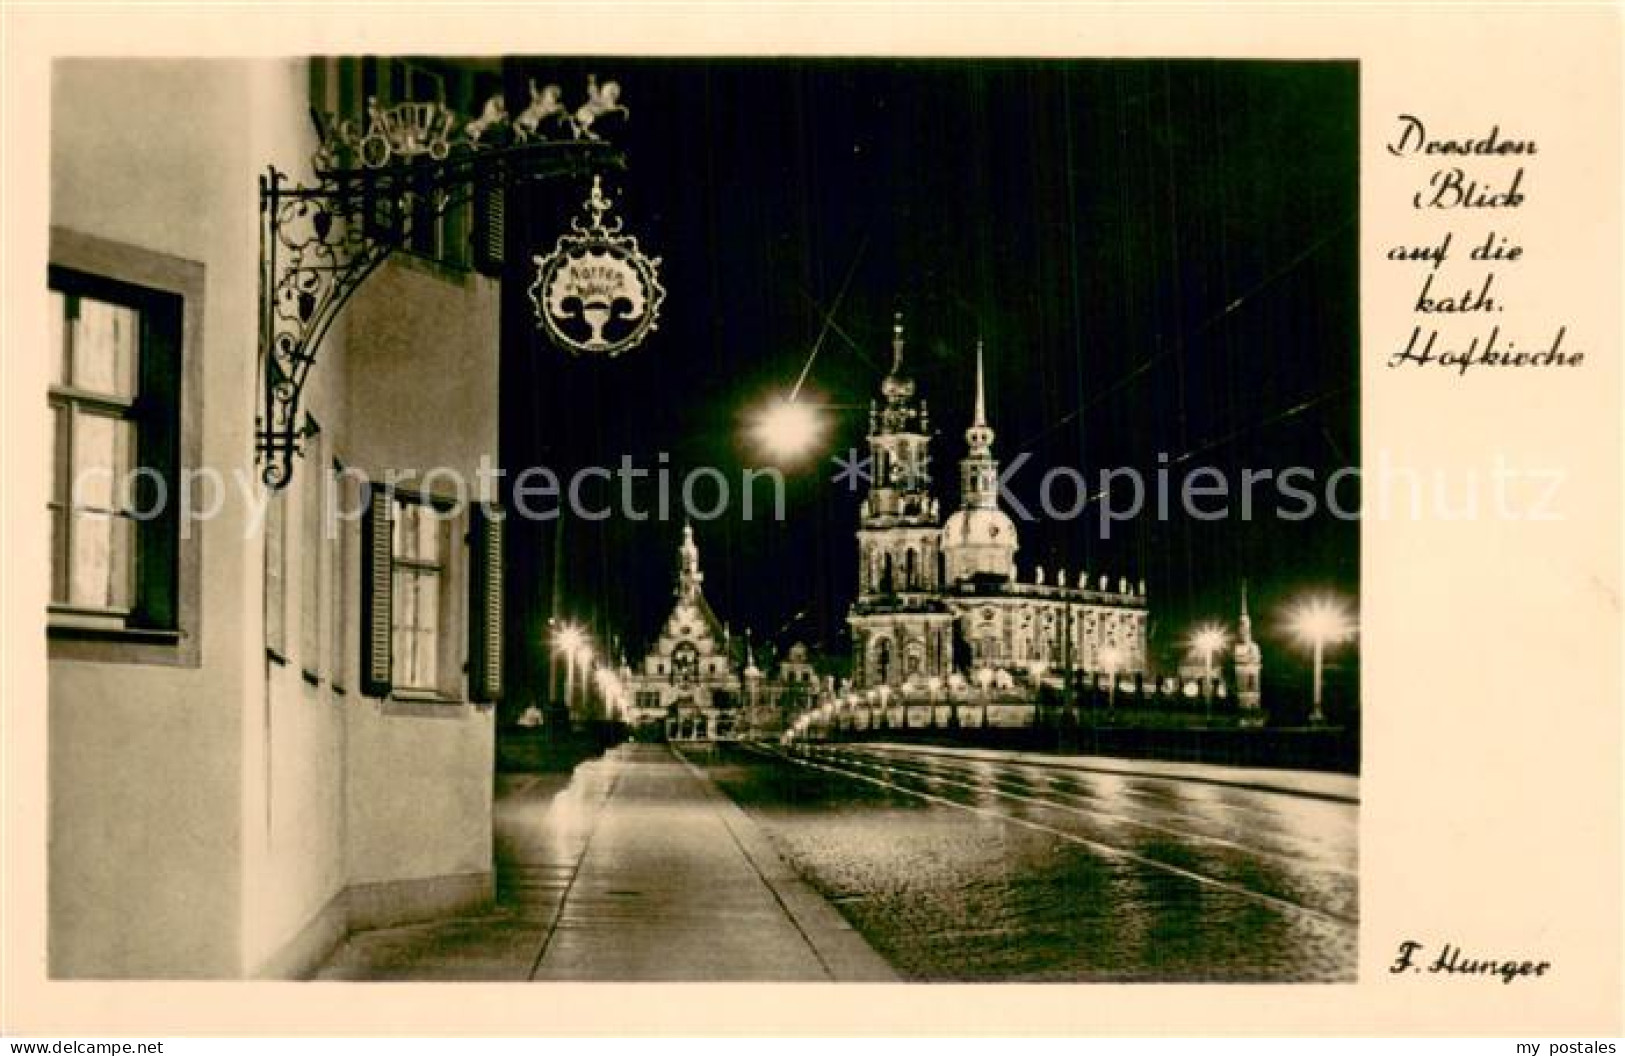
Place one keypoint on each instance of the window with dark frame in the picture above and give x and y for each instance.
(312, 552)
(115, 350)
(420, 558)
(276, 575)
(338, 594)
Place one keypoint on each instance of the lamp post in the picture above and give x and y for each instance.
(609, 690)
(1111, 658)
(1208, 639)
(571, 642)
(1320, 622)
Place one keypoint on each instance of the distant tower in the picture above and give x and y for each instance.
(900, 630)
(1249, 661)
(689, 576)
(979, 539)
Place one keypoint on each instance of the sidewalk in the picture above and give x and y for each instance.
(637, 869)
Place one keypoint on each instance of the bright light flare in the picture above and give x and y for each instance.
(571, 640)
(788, 429)
(1208, 639)
(1322, 621)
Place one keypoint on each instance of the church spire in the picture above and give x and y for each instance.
(1246, 621)
(689, 576)
(979, 439)
(980, 436)
(897, 343)
(981, 401)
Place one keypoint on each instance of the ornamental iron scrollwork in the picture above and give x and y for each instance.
(408, 164)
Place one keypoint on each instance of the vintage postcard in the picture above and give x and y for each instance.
(813, 520)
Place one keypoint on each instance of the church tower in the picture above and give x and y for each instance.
(979, 539)
(1249, 661)
(900, 628)
(689, 576)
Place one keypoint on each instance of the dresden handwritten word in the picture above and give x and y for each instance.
(1413, 138)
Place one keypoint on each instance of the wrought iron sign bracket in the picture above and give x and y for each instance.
(319, 244)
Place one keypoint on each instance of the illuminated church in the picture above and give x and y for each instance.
(691, 685)
(938, 601)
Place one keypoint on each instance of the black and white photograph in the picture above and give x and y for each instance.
(621, 519)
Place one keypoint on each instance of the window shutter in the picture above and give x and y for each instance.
(377, 590)
(485, 604)
(490, 227)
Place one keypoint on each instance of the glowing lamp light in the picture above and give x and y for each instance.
(1208, 639)
(569, 639)
(788, 429)
(1321, 620)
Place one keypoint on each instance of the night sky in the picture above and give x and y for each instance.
(1161, 257)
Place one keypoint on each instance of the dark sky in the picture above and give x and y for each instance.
(1160, 257)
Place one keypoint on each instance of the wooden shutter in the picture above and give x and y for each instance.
(485, 604)
(377, 590)
(490, 235)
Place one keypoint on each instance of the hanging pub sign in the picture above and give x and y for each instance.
(596, 292)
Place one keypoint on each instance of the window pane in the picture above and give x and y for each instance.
(402, 613)
(403, 654)
(338, 621)
(59, 557)
(426, 665)
(428, 603)
(59, 453)
(416, 628)
(311, 546)
(275, 593)
(102, 460)
(99, 575)
(104, 347)
(428, 535)
(403, 618)
(399, 531)
(56, 348)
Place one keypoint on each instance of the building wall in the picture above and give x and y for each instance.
(421, 394)
(236, 817)
(145, 761)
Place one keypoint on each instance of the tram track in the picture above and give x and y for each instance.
(1073, 821)
(1082, 805)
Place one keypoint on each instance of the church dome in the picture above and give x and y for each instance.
(979, 528)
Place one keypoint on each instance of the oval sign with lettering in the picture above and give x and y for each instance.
(597, 292)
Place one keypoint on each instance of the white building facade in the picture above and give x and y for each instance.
(270, 722)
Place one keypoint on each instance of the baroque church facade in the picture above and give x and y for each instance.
(940, 605)
(939, 601)
(690, 685)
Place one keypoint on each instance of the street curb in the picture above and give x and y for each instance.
(845, 954)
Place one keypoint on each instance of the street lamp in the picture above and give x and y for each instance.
(1110, 658)
(1208, 639)
(609, 688)
(572, 642)
(1320, 622)
(788, 429)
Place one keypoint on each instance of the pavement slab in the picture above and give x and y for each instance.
(636, 869)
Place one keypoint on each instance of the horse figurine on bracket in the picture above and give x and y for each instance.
(602, 101)
(546, 116)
